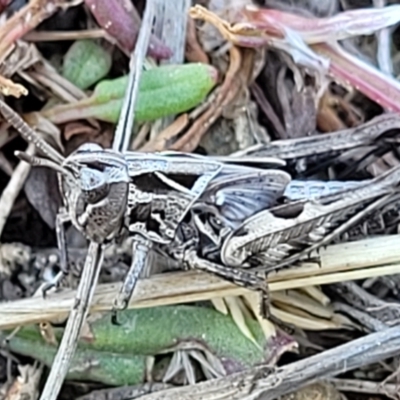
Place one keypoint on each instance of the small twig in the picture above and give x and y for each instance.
(391, 377)
(363, 386)
(253, 383)
(56, 36)
(13, 188)
(126, 392)
(69, 342)
(372, 324)
(125, 124)
(367, 302)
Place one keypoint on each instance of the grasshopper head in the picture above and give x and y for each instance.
(94, 182)
(95, 189)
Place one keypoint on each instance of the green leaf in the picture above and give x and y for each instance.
(85, 63)
(112, 369)
(163, 91)
(148, 332)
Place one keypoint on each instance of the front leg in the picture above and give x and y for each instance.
(141, 252)
(61, 219)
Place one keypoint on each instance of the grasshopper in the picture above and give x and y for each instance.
(109, 194)
(174, 204)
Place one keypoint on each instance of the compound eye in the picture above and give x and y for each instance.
(93, 184)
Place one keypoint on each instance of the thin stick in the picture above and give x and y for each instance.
(13, 188)
(125, 124)
(363, 386)
(79, 311)
(50, 36)
(262, 380)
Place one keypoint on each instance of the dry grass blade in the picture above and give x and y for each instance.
(337, 263)
(235, 307)
(77, 316)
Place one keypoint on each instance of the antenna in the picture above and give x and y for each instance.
(42, 162)
(29, 134)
